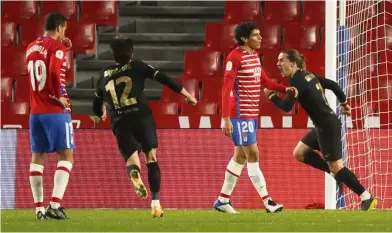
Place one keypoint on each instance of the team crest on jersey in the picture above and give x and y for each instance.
(229, 66)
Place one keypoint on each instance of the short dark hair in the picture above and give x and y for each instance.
(244, 29)
(122, 49)
(53, 20)
(295, 56)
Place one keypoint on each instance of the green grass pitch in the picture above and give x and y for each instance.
(111, 220)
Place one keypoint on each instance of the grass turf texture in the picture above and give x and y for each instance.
(111, 220)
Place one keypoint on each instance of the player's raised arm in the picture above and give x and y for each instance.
(57, 69)
(334, 87)
(270, 84)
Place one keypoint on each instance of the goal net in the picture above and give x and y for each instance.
(364, 56)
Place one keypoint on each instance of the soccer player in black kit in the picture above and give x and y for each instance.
(121, 86)
(326, 137)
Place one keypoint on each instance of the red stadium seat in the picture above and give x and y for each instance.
(220, 36)
(83, 37)
(238, 11)
(378, 88)
(15, 64)
(271, 37)
(164, 108)
(202, 109)
(19, 11)
(315, 62)
(200, 64)
(302, 37)
(8, 35)
(29, 32)
(100, 12)
(67, 8)
(22, 90)
(281, 11)
(21, 108)
(212, 91)
(191, 85)
(6, 89)
(269, 60)
(314, 12)
(384, 108)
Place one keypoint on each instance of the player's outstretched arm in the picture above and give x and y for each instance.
(286, 104)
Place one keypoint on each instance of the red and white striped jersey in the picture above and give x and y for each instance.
(243, 79)
(47, 66)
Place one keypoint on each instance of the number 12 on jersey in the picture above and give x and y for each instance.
(124, 99)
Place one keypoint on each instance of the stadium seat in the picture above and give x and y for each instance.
(15, 64)
(21, 108)
(19, 11)
(202, 109)
(22, 90)
(281, 11)
(315, 61)
(271, 37)
(201, 64)
(67, 8)
(100, 12)
(212, 91)
(164, 108)
(384, 108)
(314, 12)
(239, 11)
(6, 89)
(378, 88)
(220, 36)
(83, 37)
(191, 85)
(269, 60)
(302, 37)
(8, 34)
(29, 32)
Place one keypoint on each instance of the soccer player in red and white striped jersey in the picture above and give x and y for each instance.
(243, 79)
(50, 119)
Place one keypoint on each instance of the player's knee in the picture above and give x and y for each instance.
(253, 156)
(335, 166)
(299, 154)
(151, 155)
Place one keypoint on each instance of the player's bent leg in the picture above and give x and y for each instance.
(133, 172)
(61, 178)
(154, 181)
(258, 180)
(36, 183)
(346, 176)
(233, 172)
(305, 154)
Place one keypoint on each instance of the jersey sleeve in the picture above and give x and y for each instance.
(334, 87)
(231, 69)
(154, 74)
(270, 84)
(57, 70)
(99, 90)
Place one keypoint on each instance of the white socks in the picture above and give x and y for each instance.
(232, 174)
(61, 177)
(36, 184)
(257, 178)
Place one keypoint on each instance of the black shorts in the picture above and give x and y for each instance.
(327, 140)
(135, 133)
